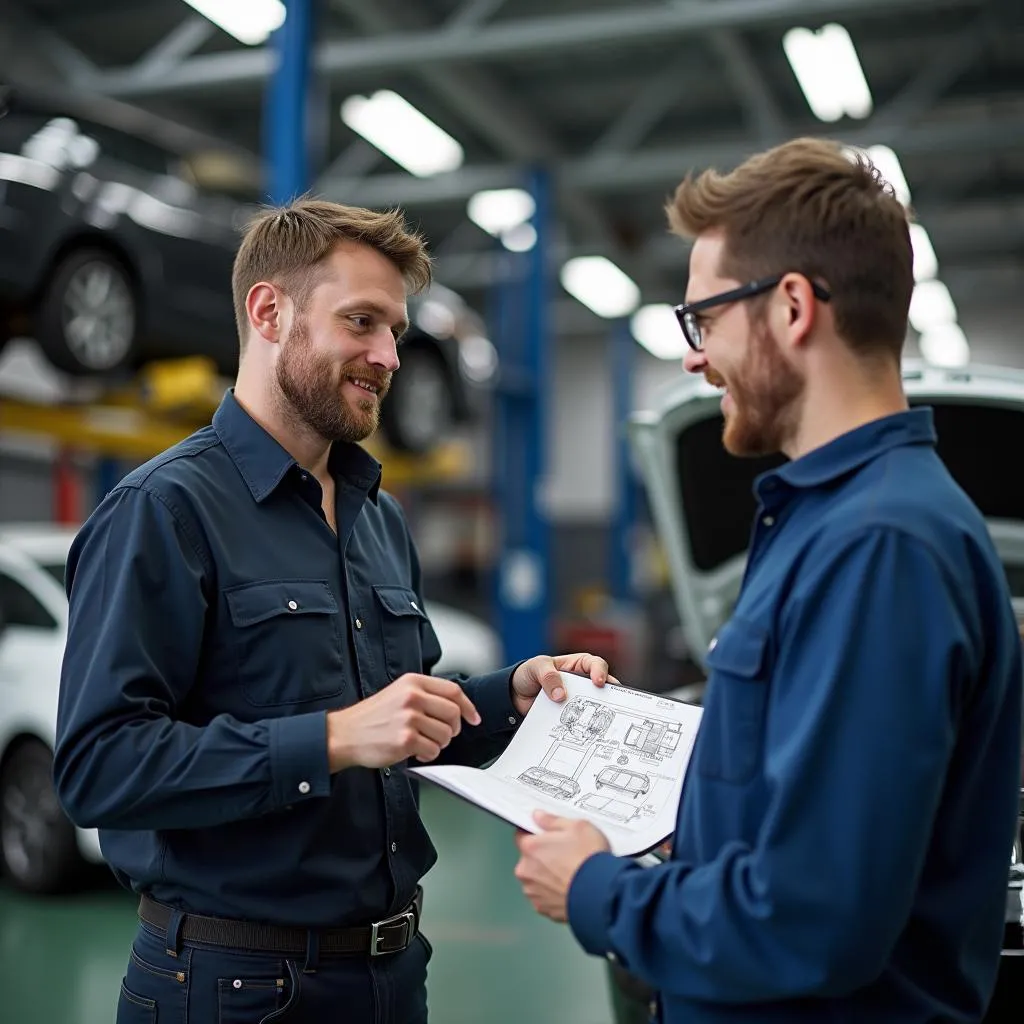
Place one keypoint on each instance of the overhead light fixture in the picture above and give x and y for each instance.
(656, 328)
(600, 285)
(931, 306)
(829, 72)
(249, 21)
(888, 164)
(521, 238)
(401, 132)
(926, 263)
(500, 209)
(505, 213)
(945, 345)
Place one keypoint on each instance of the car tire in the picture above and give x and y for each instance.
(38, 846)
(419, 409)
(87, 318)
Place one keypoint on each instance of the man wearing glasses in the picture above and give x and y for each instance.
(840, 850)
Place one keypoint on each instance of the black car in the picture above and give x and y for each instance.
(116, 246)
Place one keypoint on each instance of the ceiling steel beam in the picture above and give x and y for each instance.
(173, 48)
(983, 230)
(509, 40)
(474, 95)
(664, 168)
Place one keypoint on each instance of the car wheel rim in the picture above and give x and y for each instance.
(98, 316)
(30, 813)
(423, 415)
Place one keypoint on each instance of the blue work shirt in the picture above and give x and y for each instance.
(843, 841)
(215, 618)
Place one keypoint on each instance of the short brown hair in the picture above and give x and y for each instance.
(286, 245)
(812, 207)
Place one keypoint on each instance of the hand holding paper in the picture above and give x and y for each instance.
(549, 860)
(545, 673)
(613, 756)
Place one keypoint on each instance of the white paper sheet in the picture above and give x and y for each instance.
(613, 755)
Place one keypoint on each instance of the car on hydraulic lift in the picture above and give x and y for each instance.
(117, 238)
(40, 850)
(702, 503)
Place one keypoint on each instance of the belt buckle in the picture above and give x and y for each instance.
(408, 916)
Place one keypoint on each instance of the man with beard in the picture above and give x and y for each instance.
(842, 838)
(248, 663)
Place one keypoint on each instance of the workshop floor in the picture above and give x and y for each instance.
(61, 961)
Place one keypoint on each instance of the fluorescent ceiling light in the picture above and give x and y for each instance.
(945, 345)
(888, 164)
(400, 131)
(828, 70)
(931, 305)
(500, 209)
(521, 238)
(249, 21)
(926, 263)
(600, 286)
(657, 329)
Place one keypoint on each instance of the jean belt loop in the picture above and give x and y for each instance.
(312, 951)
(172, 939)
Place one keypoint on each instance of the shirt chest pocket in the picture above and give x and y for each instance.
(286, 638)
(732, 726)
(401, 616)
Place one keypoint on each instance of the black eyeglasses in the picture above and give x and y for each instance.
(689, 321)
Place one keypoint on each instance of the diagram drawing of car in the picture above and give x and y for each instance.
(624, 780)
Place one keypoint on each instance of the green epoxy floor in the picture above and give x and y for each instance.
(61, 960)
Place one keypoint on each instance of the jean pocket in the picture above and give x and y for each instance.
(248, 1000)
(287, 641)
(732, 727)
(133, 1008)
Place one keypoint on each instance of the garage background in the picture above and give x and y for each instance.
(594, 110)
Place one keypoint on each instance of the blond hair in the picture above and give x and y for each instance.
(812, 207)
(288, 246)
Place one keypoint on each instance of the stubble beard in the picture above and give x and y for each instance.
(765, 398)
(311, 386)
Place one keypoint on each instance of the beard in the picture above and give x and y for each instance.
(765, 395)
(311, 385)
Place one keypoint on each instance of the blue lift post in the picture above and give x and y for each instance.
(522, 329)
(286, 141)
(620, 561)
(286, 117)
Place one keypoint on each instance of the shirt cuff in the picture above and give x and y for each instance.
(298, 758)
(589, 901)
(492, 697)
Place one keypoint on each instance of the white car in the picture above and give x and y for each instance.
(40, 850)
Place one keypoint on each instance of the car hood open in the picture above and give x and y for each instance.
(702, 500)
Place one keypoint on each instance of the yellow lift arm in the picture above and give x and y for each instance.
(168, 401)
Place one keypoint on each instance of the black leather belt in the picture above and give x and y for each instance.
(391, 935)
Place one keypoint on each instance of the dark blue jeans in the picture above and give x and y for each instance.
(211, 985)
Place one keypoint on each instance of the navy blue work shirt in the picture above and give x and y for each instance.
(215, 618)
(843, 842)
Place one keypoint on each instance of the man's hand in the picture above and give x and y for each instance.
(550, 859)
(541, 673)
(415, 716)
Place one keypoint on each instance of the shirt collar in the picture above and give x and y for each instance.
(263, 462)
(851, 450)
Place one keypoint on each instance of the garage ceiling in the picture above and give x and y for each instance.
(620, 99)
